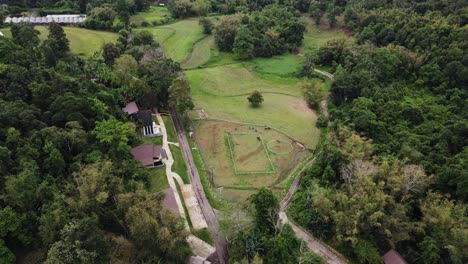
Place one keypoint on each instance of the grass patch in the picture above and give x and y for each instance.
(157, 179)
(220, 58)
(187, 216)
(197, 158)
(204, 234)
(200, 54)
(83, 42)
(178, 39)
(222, 92)
(249, 154)
(154, 13)
(179, 163)
(287, 65)
(170, 129)
(211, 140)
(317, 36)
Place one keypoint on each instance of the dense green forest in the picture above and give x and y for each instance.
(70, 189)
(392, 172)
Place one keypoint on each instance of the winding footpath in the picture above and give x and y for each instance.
(324, 102)
(198, 246)
(208, 213)
(327, 253)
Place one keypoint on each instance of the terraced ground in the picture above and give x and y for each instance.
(82, 41)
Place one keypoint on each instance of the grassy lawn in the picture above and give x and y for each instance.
(82, 41)
(179, 163)
(201, 53)
(155, 13)
(171, 133)
(286, 65)
(158, 180)
(222, 92)
(178, 39)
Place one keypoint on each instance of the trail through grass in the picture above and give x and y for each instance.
(200, 54)
(178, 39)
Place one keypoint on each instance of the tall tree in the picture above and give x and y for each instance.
(243, 43)
(114, 136)
(266, 209)
(58, 40)
(81, 242)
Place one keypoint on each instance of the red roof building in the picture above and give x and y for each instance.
(393, 257)
(131, 108)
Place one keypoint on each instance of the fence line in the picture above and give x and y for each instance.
(255, 124)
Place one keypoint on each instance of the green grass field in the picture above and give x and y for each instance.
(178, 39)
(155, 13)
(222, 92)
(179, 163)
(201, 53)
(82, 41)
(158, 180)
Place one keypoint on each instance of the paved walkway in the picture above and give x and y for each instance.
(171, 176)
(198, 246)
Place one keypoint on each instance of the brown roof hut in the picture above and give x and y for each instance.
(131, 108)
(393, 257)
(149, 155)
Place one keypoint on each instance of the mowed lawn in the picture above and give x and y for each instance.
(222, 92)
(82, 41)
(178, 39)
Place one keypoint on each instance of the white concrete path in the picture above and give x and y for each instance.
(198, 246)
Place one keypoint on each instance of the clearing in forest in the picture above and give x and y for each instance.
(82, 41)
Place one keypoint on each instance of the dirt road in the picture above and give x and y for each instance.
(329, 255)
(294, 187)
(324, 102)
(205, 206)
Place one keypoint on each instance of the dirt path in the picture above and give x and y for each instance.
(324, 102)
(198, 189)
(294, 187)
(315, 245)
(329, 255)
